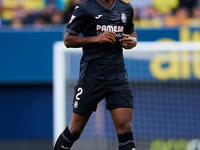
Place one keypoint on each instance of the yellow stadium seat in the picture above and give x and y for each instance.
(165, 6)
(8, 13)
(9, 5)
(34, 4)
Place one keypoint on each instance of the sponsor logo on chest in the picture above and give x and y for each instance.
(109, 28)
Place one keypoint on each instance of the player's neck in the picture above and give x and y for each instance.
(108, 2)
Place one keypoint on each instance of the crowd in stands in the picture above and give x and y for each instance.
(147, 13)
(166, 13)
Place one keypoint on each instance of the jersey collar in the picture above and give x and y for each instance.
(104, 5)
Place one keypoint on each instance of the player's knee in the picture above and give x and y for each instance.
(123, 128)
(76, 129)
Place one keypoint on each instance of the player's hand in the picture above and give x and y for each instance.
(106, 36)
(128, 42)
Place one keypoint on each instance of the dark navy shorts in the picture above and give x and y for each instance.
(87, 96)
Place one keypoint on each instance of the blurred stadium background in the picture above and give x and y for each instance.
(167, 96)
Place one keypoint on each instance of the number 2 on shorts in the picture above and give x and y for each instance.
(80, 91)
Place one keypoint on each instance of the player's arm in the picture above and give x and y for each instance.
(129, 41)
(71, 40)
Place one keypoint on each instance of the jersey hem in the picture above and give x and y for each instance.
(81, 113)
(104, 82)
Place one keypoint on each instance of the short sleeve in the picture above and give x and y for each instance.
(130, 25)
(77, 22)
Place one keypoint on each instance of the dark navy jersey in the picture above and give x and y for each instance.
(102, 63)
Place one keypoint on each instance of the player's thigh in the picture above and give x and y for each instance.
(119, 96)
(87, 97)
(122, 118)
